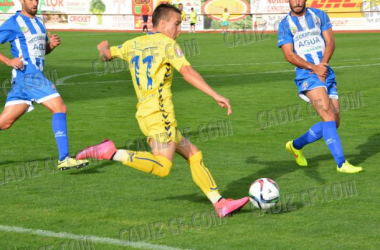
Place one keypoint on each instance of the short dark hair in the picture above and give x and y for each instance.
(162, 12)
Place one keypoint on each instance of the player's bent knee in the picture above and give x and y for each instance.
(61, 109)
(163, 168)
(195, 155)
(164, 172)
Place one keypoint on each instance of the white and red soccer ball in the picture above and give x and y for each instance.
(264, 193)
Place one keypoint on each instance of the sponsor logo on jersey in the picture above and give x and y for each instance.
(317, 22)
(179, 52)
(24, 30)
(294, 30)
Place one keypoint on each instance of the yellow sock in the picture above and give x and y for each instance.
(145, 162)
(203, 178)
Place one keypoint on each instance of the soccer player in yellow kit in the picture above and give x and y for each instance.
(151, 59)
(193, 20)
(183, 13)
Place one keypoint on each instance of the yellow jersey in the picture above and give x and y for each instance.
(151, 60)
(225, 16)
(183, 15)
(193, 17)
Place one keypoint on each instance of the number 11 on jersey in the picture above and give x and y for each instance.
(136, 62)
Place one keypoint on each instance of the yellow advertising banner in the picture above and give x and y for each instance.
(238, 9)
(163, 1)
(346, 8)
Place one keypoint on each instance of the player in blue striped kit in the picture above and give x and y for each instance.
(306, 39)
(29, 45)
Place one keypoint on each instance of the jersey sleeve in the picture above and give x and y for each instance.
(284, 35)
(325, 21)
(7, 34)
(176, 57)
(120, 51)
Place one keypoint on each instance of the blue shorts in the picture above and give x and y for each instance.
(31, 87)
(312, 82)
(145, 18)
(224, 23)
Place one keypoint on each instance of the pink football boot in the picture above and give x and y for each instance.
(226, 207)
(102, 151)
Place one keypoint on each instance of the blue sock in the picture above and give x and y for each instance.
(314, 134)
(60, 132)
(332, 140)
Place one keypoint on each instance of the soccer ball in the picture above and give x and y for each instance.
(264, 193)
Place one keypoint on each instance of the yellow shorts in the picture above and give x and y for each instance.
(161, 127)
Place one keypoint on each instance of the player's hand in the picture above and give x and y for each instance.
(322, 78)
(104, 50)
(54, 40)
(224, 103)
(103, 45)
(321, 71)
(16, 63)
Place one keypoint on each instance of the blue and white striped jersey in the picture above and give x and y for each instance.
(305, 33)
(28, 38)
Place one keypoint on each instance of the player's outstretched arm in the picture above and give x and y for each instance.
(15, 63)
(195, 79)
(330, 45)
(320, 70)
(104, 51)
(54, 41)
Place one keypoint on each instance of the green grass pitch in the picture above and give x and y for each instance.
(320, 208)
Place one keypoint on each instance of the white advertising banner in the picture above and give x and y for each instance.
(356, 15)
(123, 14)
(187, 5)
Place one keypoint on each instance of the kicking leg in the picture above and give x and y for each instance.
(203, 178)
(159, 163)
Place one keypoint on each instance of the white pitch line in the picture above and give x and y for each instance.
(223, 75)
(95, 239)
(63, 79)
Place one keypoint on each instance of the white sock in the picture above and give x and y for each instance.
(214, 196)
(120, 153)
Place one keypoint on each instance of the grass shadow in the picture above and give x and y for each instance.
(92, 170)
(273, 170)
(280, 208)
(366, 150)
(195, 197)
